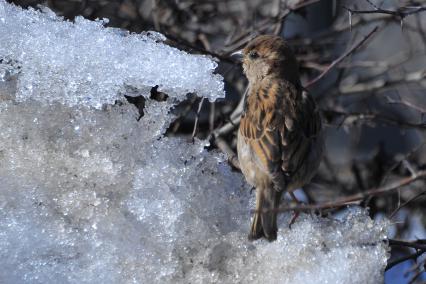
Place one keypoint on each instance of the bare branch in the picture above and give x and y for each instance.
(355, 116)
(418, 244)
(225, 148)
(400, 13)
(381, 84)
(412, 256)
(234, 120)
(406, 103)
(340, 59)
(355, 198)
(194, 131)
(417, 196)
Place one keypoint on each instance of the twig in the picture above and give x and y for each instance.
(399, 160)
(419, 246)
(194, 131)
(401, 12)
(355, 198)
(201, 50)
(420, 29)
(183, 114)
(246, 36)
(374, 116)
(212, 116)
(407, 202)
(228, 127)
(343, 56)
(235, 118)
(402, 259)
(417, 275)
(409, 167)
(204, 40)
(224, 147)
(380, 84)
(420, 109)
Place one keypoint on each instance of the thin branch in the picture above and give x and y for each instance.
(381, 84)
(420, 29)
(212, 116)
(418, 245)
(417, 196)
(401, 12)
(192, 47)
(353, 116)
(340, 59)
(225, 148)
(355, 198)
(183, 114)
(402, 259)
(417, 275)
(234, 119)
(246, 36)
(398, 161)
(420, 109)
(194, 131)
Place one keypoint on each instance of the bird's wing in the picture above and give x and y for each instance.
(299, 133)
(279, 130)
(264, 141)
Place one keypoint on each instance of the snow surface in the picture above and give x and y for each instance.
(90, 195)
(85, 63)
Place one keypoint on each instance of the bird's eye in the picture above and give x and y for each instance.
(253, 54)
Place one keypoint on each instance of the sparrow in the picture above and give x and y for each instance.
(280, 141)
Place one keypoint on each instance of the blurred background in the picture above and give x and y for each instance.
(363, 61)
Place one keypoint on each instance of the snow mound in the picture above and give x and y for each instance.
(94, 196)
(91, 195)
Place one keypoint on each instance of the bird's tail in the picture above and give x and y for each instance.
(265, 219)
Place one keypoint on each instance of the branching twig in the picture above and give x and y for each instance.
(343, 56)
(375, 116)
(402, 259)
(400, 13)
(234, 119)
(246, 36)
(355, 198)
(407, 202)
(381, 84)
(420, 109)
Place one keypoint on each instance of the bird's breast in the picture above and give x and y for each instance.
(254, 175)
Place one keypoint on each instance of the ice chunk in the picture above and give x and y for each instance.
(85, 63)
(95, 196)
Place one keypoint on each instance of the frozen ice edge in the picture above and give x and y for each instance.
(85, 63)
(91, 195)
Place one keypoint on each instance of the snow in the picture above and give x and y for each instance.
(90, 195)
(85, 63)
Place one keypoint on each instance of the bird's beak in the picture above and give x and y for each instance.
(238, 55)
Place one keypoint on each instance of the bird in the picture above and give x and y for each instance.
(280, 139)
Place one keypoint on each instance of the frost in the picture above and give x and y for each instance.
(92, 195)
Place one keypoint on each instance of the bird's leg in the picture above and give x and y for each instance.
(295, 213)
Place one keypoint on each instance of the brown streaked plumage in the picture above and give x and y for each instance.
(280, 140)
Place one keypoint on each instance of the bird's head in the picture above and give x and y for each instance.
(269, 55)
